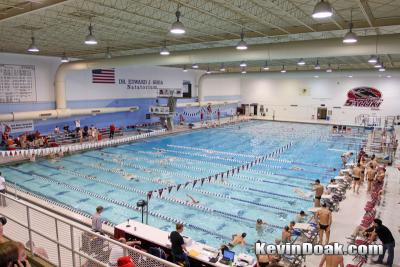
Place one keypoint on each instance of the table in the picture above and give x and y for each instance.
(155, 237)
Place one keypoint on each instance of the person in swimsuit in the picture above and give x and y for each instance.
(286, 235)
(332, 261)
(237, 239)
(194, 201)
(370, 177)
(356, 178)
(324, 219)
(319, 190)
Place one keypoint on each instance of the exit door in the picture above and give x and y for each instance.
(322, 112)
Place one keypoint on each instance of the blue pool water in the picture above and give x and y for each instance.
(266, 191)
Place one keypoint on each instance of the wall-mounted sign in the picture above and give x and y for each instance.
(170, 92)
(364, 97)
(17, 83)
(17, 126)
(164, 110)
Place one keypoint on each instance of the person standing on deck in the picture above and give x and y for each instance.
(319, 190)
(97, 222)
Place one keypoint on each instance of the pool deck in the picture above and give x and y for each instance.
(352, 210)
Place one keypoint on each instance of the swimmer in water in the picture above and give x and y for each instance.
(130, 176)
(194, 201)
(302, 194)
(296, 168)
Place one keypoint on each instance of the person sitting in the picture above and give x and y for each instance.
(301, 217)
(178, 247)
(13, 254)
(292, 230)
(237, 239)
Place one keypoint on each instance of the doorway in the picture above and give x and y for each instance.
(322, 112)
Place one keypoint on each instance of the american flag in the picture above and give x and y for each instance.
(103, 76)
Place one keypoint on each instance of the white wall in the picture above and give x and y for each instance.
(213, 85)
(278, 91)
(79, 83)
(45, 69)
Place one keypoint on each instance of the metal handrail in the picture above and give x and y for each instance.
(77, 227)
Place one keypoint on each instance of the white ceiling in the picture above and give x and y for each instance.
(141, 26)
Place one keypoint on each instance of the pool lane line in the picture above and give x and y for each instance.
(140, 167)
(119, 203)
(223, 165)
(234, 186)
(249, 189)
(203, 191)
(173, 200)
(241, 155)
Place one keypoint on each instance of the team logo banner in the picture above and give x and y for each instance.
(364, 97)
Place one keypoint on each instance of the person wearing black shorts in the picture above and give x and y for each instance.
(356, 178)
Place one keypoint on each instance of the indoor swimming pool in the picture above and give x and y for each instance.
(117, 177)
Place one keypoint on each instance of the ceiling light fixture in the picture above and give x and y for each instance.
(266, 67)
(243, 70)
(64, 58)
(350, 76)
(32, 47)
(317, 66)
(177, 27)
(329, 69)
(195, 66)
(184, 69)
(108, 54)
(316, 76)
(164, 50)
(378, 64)
(350, 37)
(301, 62)
(388, 76)
(222, 68)
(382, 68)
(90, 39)
(243, 64)
(208, 70)
(242, 45)
(283, 70)
(322, 10)
(373, 59)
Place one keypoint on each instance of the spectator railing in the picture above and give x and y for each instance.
(64, 243)
(77, 146)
